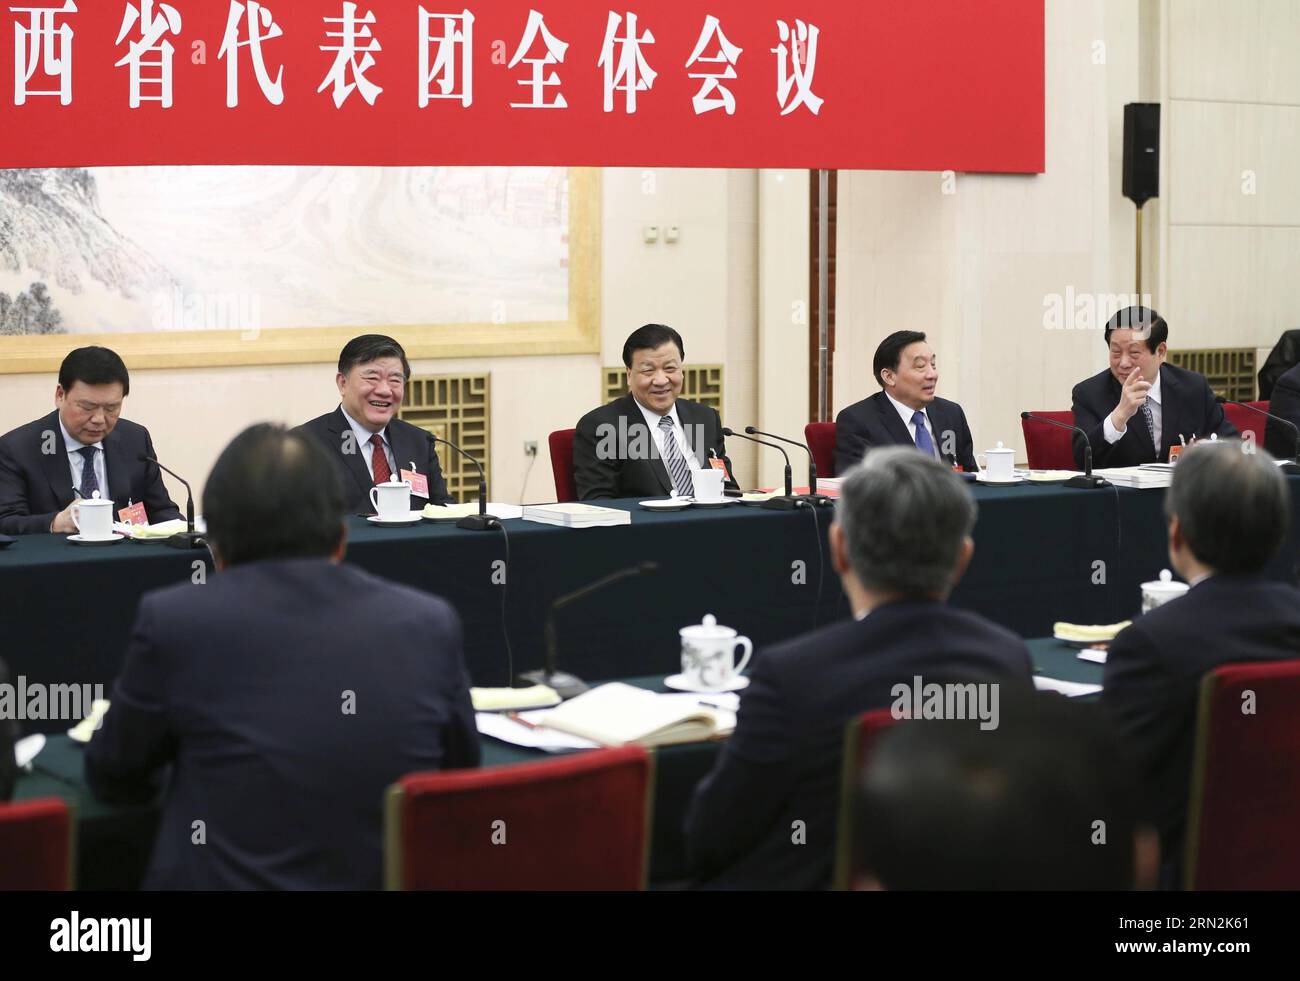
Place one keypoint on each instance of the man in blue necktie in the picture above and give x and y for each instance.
(906, 410)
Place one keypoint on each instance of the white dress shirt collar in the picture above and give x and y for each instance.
(1153, 393)
(73, 445)
(652, 418)
(362, 433)
(904, 412)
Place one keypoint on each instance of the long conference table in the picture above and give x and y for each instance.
(1042, 553)
(114, 842)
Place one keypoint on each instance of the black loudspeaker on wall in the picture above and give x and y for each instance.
(1141, 151)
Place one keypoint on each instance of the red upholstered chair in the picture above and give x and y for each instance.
(37, 845)
(581, 822)
(860, 736)
(561, 442)
(1048, 447)
(1247, 421)
(820, 437)
(1244, 805)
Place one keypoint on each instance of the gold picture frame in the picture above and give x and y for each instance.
(580, 334)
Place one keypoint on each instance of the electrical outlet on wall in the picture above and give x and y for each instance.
(530, 447)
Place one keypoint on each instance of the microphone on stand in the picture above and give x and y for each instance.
(788, 502)
(188, 538)
(1287, 466)
(473, 522)
(812, 497)
(1084, 480)
(567, 685)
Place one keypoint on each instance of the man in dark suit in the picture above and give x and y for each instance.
(905, 412)
(372, 382)
(1139, 407)
(8, 736)
(1228, 511)
(766, 816)
(647, 443)
(284, 695)
(1281, 440)
(82, 448)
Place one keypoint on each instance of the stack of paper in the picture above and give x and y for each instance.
(1136, 476)
(503, 699)
(616, 714)
(576, 515)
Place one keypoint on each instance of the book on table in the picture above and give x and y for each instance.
(617, 714)
(575, 515)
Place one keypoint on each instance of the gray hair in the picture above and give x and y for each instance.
(1232, 503)
(904, 517)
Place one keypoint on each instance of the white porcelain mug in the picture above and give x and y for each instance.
(1160, 591)
(93, 519)
(392, 501)
(999, 464)
(708, 485)
(709, 654)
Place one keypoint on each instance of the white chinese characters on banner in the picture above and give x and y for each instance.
(43, 40)
(454, 46)
(554, 55)
(355, 37)
(628, 72)
(45, 44)
(259, 18)
(728, 54)
(155, 73)
(796, 61)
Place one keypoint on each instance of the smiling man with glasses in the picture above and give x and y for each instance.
(81, 448)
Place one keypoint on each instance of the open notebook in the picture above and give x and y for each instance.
(616, 714)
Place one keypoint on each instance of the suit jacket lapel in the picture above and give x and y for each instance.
(1171, 418)
(406, 448)
(57, 471)
(635, 418)
(118, 464)
(355, 463)
(892, 421)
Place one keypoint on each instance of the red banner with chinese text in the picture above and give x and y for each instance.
(856, 84)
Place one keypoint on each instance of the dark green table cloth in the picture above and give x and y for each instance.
(114, 842)
(1043, 553)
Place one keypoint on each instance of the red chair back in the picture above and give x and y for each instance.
(1247, 421)
(820, 437)
(860, 736)
(1244, 803)
(581, 822)
(561, 442)
(37, 845)
(1049, 447)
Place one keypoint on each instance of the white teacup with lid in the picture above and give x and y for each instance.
(999, 464)
(392, 500)
(1160, 591)
(93, 518)
(709, 654)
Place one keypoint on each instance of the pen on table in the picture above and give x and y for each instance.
(715, 705)
(521, 720)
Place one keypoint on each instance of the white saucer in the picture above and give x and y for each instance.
(415, 518)
(667, 504)
(680, 682)
(78, 540)
(980, 479)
